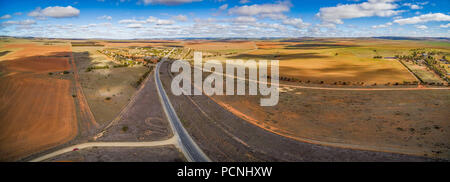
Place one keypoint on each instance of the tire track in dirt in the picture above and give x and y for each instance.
(87, 119)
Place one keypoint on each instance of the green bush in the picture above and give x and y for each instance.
(96, 67)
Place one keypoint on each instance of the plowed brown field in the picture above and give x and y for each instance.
(37, 111)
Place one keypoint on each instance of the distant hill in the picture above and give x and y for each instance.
(414, 38)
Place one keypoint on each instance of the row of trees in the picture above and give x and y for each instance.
(428, 58)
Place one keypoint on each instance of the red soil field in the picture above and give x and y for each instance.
(35, 114)
(38, 64)
(27, 50)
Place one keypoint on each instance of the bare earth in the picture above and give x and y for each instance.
(122, 154)
(37, 111)
(224, 136)
(142, 120)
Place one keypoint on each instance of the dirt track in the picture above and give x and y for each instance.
(123, 154)
(86, 118)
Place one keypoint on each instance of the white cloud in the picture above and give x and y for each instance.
(107, 24)
(423, 27)
(104, 17)
(208, 20)
(326, 25)
(55, 12)
(274, 16)
(445, 25)
(5, 17)
(412, 6)
(181, 18)
(423, 18)
(164, 22)
(415, 6)
(296, 22)
(36, 13)
(24, 22)
(261, 9)
(168, 2)
(132, 21)
(244, 1)
(135, 25)
(244, 19)
(158, 21)
(382, 25)
(381, 8)
(223, 7)
(60, 12)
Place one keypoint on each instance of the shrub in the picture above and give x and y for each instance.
(142, 78)
(96, 67)
(124, 128)
(120, 65)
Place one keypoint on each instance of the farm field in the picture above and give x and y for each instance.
(423, 73)
(37, 110)
(143, 43)
(107, 90)
(411, 122)
(408, 122)
(336, 60)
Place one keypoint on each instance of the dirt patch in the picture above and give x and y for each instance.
(413, 122)
(107, 90)
(122, 154)
(142, 120)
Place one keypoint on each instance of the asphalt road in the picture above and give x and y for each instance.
(188, 146)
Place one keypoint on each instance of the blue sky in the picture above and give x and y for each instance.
(126, 19)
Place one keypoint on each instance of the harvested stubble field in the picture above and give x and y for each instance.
(336, 60)
(150, 43)
(37, 111)
(410, 122)
(219, 45)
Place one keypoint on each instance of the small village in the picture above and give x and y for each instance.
(133, 56)
(434, 60)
